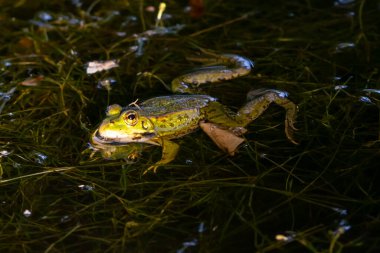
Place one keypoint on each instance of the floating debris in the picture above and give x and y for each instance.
(97, 66)
(150, 8)
(32, 81)
(224, 139)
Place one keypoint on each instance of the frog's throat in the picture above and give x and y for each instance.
(98, 139)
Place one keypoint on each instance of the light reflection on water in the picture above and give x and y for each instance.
(40, 158)
(365, 99)
(193, 242)
(372, 91)
(84, 187)
(340, 47)
(5, 97)
(343, 2)
(27, 213)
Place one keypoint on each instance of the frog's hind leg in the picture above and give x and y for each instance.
(223, 67)
(260, 101)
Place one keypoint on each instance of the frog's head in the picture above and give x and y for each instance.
(122, 126)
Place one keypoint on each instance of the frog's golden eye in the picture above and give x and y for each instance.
(131, 118)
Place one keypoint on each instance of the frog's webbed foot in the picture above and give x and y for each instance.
(169, 152)
(260, 100)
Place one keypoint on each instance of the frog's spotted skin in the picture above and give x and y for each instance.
(161, 117)
(232, 66)
(158, 120)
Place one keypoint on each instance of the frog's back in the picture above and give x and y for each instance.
(175, 103)
(175, 116)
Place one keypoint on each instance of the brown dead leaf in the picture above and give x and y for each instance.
(224, 139)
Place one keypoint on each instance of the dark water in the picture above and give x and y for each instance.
(272, 196)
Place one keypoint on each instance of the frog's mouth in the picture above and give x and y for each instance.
(98, 139)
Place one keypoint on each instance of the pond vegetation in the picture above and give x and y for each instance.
(57, 195)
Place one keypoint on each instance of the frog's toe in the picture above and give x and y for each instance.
(291, 125)
(292, 140)
(289, 131)
(151, 168)
(132, 158)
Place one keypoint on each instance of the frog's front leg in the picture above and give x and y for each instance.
(169, 152)
(261, 99)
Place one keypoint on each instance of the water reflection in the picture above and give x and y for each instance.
(65, 218)
(287, 236)
(193, 242)
(84, 187)
(341, 211)
(50, 21)
(366, 100)
(187, 244)
(343, 227)
(343, 46)
(372, 91)
(40, 158)
(27, 213)
(343, 3)
(340, 87)
(6, 63)
(106, 83)
(44, 16)
(4, 153)
(5, 97)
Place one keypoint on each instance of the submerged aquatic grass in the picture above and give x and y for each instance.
(319, 196)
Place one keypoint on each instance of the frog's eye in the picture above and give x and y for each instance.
(130, 117)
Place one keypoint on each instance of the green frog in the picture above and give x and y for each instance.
(158, 120)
